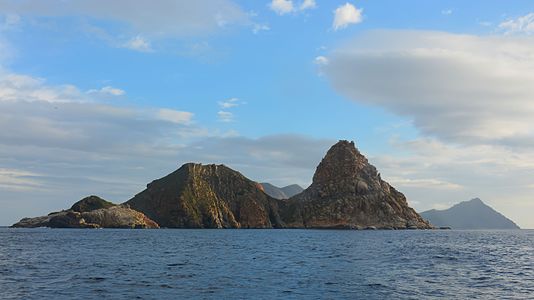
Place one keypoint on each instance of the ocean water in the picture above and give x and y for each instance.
(265, 264)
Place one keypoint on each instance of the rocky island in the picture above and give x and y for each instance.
(347, 192)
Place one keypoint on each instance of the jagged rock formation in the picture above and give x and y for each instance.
(347, 192)
(91, 212)
(207, 196)
(472, 214)
(285, 192)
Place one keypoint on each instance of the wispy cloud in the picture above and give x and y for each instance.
(523, 25)
(232, 102)
(257, 28)
(138, 43)
(225, 116)
(321, 60)
(142, 23)
(107, 91)
(283, 7)
(19, 180)
(307, 4)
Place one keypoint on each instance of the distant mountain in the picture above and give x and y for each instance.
(281, 193)
(292, 190)
(472, 214)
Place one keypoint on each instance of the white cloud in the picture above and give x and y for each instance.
(460, 88)
(307, 4)
(138, 43)
(321, 60)
(345, 15)
(232, 102)
(112, 91)
(281, 7)
(257, 28)
(175, 116)
(14, 87)
(107, 91)
(523, 24)
(225, 116)
(446, 12)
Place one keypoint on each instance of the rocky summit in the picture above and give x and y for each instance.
(348, 192)
(207, 196)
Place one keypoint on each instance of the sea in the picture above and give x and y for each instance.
(265, 264)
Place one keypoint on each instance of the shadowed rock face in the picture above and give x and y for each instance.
(207, 196)
(347, 192)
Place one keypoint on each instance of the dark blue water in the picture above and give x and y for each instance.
(265, 264)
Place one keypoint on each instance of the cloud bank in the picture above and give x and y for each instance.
(59, 144)
(459, 88)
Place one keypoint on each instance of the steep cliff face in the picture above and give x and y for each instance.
(347, 192)
(207, 196)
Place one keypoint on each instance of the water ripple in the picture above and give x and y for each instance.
(265, 264)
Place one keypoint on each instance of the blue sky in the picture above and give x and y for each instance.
(101, 98)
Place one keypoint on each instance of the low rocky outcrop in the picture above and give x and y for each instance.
(91, 212)
(348, 192)
(35, 222)
(207, 196)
